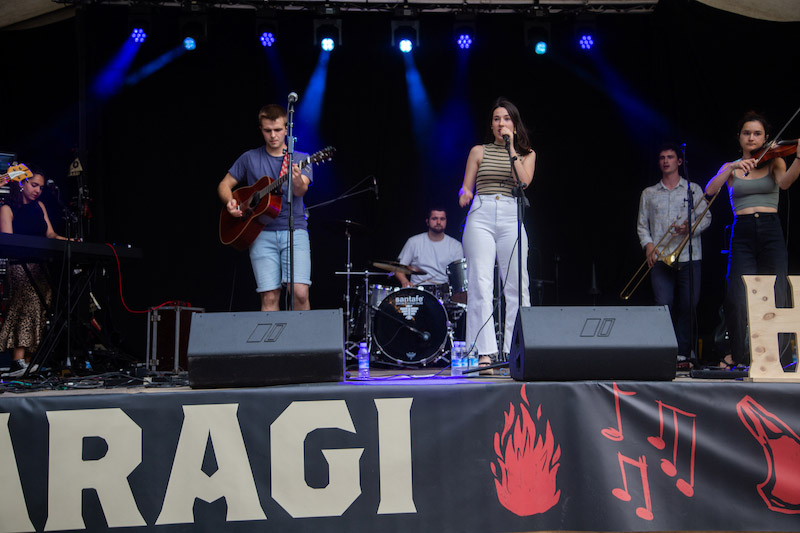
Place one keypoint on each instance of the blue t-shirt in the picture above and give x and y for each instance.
(257, 163)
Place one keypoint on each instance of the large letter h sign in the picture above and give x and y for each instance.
(766, 322)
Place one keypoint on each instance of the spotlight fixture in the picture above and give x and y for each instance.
(266, 28)
(139, 19)
(138, 35)
(537, 36)
(464, 31)
(585, 33)
(405, 34)
(194, 25)
(328, 33)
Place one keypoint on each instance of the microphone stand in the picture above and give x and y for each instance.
(522, 203)
(290, 161)
(689, 224)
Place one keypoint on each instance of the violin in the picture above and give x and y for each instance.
(775, 149)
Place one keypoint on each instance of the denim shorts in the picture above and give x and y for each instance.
(269, 255)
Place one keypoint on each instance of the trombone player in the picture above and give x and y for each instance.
(663, 210)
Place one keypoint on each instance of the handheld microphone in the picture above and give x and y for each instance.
(375, 186)
(507, 139)
(292, 97)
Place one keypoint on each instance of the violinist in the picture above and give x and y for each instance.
(663, 212)
(757, 245)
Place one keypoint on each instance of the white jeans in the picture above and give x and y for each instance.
(491, 232)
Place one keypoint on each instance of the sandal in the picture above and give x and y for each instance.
(485, 360)
(726, 363)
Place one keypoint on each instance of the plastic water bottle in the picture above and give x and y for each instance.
(457, 358)
(363, 360)
(471, 357)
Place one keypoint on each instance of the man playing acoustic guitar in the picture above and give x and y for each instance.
(269, 252)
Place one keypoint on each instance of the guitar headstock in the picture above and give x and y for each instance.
(326, 154)
(17, 173)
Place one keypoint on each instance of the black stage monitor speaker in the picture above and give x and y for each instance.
(257, 348)
(595, 343)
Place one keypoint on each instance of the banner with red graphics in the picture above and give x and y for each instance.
(407, 455)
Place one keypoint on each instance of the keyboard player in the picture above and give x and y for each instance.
(31, 294)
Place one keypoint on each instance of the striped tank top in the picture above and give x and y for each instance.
(494, 173)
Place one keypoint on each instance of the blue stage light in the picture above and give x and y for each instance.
(328, 33)
(540, 48)
(327, 44)
(464, 41)
(586, 42)
(189, 43)
(406, 45)
(267, 38)
(138, 35)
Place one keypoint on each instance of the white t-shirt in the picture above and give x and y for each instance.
(431, 256)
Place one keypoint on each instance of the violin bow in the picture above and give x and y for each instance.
(778, 136)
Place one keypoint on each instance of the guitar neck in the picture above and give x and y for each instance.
(278, 183)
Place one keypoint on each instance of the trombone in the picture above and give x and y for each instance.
(669, 259)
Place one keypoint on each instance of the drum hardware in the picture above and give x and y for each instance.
(457, 278)
(352, 351)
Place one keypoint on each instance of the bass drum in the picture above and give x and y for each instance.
(410, 327)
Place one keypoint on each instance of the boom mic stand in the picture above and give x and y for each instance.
(348, 270)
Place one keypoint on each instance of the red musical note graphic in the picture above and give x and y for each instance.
(615, 434)
(670, 468)
(646, 512)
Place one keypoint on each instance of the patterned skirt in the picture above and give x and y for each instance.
(26, 318)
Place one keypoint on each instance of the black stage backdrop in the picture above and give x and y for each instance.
(155, 150)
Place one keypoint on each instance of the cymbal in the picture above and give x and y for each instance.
(394, 266)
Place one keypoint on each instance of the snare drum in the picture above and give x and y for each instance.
(410, 327)
(457, 277)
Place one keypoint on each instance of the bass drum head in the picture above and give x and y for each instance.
(398, 313)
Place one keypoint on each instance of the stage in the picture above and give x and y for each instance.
(405, 452)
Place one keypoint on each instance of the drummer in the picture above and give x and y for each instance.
(430, 252)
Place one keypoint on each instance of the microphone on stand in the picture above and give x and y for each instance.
(507, 139)
(292, 97)
(375, 187)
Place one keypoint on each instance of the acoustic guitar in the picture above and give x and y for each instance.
(15, 173)
(264, 197)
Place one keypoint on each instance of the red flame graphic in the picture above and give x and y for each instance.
(527, 465)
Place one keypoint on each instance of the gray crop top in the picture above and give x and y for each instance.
(761, 192)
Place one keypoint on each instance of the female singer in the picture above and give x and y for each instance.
(757, 245)
(491, 228)
(24, 325)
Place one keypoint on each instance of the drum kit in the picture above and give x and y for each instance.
(408, 327)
